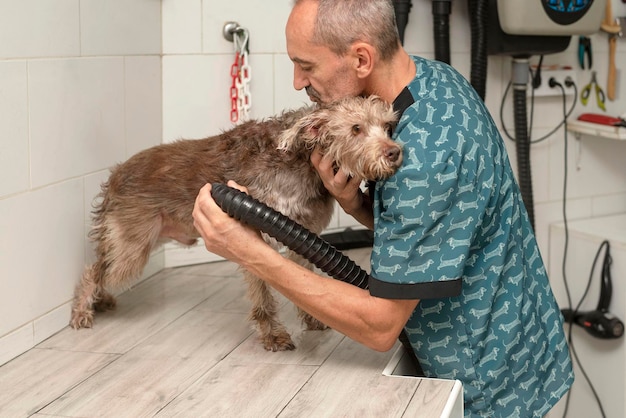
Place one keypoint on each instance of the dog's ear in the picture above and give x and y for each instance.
(305, 132)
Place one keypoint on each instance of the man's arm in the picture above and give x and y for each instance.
(372, 321)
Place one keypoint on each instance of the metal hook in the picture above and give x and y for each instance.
(229, 30)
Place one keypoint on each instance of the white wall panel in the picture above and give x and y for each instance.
(14, 128)
(182, 26)
(41, 251)
(120, 27)
(80, 89)
(76, 117)
(143, 98)
(32, 28)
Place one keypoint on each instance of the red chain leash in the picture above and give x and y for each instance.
(234, 89)
(240, 73)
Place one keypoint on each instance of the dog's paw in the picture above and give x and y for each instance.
(81, 320)
(280, 342)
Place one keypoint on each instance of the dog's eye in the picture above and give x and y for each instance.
(388, 129)
(356, 129)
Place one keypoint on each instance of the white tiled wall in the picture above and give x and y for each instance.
(14, 158)
(87, 83)
(120, 27)
(80, 89)
(32, 29)
(77, 117)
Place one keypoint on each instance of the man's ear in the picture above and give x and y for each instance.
(364, 54)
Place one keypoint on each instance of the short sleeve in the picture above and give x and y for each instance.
(427, 214)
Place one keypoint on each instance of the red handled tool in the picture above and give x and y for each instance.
(602, 119)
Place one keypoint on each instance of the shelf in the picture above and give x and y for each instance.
(610, 227)
(595, 129)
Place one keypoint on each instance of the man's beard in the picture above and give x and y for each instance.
(313, 94)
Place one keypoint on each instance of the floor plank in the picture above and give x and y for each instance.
(424, 403)
(312, 347)
(38, 377)
(141, 312)
(234, 390)
(362, 390)
(152, 374)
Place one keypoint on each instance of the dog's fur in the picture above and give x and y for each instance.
(149, 198)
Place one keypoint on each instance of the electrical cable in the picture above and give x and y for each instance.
(536, 78)
(568, 114)
(571, 341)
(532, 106)
(565, 249)
(606, 290)
(564, 208)
(546, 136)
(605, 265)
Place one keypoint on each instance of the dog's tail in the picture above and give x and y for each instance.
(99, 208)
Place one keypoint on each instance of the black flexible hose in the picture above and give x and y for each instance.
(522, 146)
(299, 239)
(402, 8)
(441, 29)
(479, 20)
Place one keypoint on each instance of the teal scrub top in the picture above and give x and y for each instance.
(451, 230)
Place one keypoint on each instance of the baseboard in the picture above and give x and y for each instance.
(178, 255)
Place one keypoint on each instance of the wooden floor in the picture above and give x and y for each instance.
(179, 344)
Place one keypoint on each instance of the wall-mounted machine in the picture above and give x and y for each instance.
(538, 27)
(550, 17)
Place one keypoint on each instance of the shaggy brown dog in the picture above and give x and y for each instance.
(149, 199)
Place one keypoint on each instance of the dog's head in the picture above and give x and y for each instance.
(354, 132)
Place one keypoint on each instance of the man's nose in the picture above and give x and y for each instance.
(299, 80)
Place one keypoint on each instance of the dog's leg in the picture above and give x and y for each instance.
(264, 312)
(90, 296)
(311, 323)
(122, 254)
(86, 296)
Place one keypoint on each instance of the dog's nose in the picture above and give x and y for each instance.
(392, 154)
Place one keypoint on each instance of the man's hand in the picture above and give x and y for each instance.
(222, 234)
(345, 189)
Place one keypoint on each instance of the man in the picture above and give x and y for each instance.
(455, 262)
